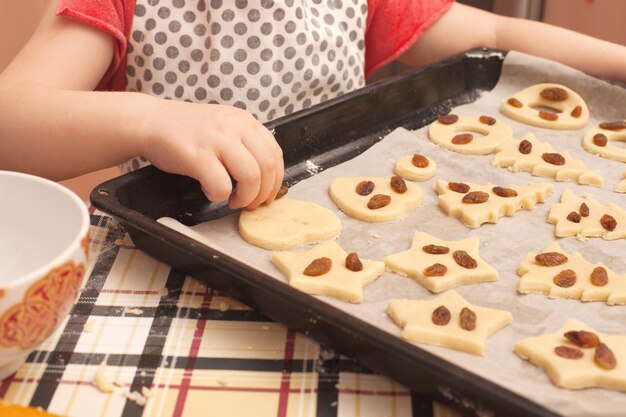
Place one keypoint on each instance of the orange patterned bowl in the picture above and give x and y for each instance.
(43, 251)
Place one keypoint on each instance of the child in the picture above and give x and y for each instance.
(226, 66)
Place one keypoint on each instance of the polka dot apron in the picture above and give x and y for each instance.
(269, 57)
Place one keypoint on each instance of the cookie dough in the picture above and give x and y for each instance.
(339, 282)
(496, 206)
(530, 106)
(343, 192)
(415, 317)
(540, 159)
(593, 282)
(486, 137)
(581, 372)
(598, 141)
(427, 250)
(607, 222)
(286, 224)
(406, 167)
(620, 187)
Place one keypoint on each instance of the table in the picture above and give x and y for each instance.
(186, 350)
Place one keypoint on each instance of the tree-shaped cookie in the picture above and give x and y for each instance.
(451, 132)
(447, 320)
(328, 270)
(439, 264)
(576, 357)
(600, 139)
(375, 199)
(585, 217)
(559, 274)
(620, 187)
(476, 204)
(552, 106)
(542, 160)
(415, 167)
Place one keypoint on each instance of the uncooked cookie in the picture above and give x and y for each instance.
(620, 187)
(542, 160)
(439, 264)
(544, 273)
(451, 132)
(415, 167)
(599, 140)
(530, 106)
(373, 199)
(476, 204)
(339, 282)
(572, 364)
(593, 219)
(286, 224)
(454, 329)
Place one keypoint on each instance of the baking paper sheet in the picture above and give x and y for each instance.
(503, 245)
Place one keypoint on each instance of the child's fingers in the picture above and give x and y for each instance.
(245, 169)
(214, 179)
(262, 148)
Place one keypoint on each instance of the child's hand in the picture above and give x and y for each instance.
(209, 142)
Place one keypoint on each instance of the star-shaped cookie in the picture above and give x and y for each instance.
(475, 204)
(439, 264)
(540, 159)
(454, 330)
(543, 273)
(338, 282)
(585, 217)
(571, 364)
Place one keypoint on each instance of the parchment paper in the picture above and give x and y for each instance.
(503, 245)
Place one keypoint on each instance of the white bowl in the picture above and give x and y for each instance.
(43, 252)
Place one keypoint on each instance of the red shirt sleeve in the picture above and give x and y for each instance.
(394, 25)
(112, 16)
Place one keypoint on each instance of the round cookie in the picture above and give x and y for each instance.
(287, 224)
(415, 167)
(571, 111)
(598, 140)
(444, 132)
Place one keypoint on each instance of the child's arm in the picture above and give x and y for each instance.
(463, 27)
(53, 125)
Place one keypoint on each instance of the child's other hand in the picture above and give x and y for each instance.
(208, 142)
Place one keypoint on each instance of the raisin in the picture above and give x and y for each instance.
(364, 188)
(599, 277)
(578, 110)
(514, 102)
(462, 139)
(378, 201)
(435, 270)
(398, 184)
(584, 210)
(525, 147)
(448, 119)
(546, 115)
(582, 338)
(568, 352)
(573, 217)
(282, 191)
(550, 259)
(436, 250)
(604, 357)
(608, 222)
(553, 158)
(565, 279)
(554, 94)
(487, 120)
(613, 125)
(420, 161)
(458, 187)
(463, 259)
(467, 319)
(475, 197)
(318, 267)
(441, 316)
(353, 263)
(504, 192)
(599, 139)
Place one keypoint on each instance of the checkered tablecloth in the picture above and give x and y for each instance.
(189, 351)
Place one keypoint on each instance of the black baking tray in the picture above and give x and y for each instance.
(326, 135)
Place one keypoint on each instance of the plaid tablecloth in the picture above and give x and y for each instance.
(189, 351)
